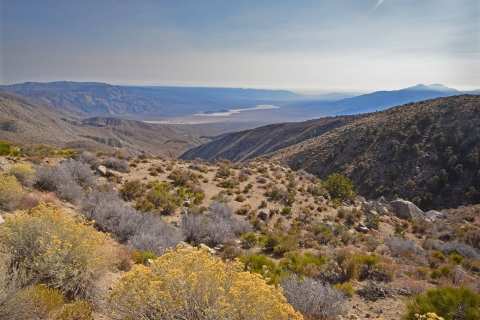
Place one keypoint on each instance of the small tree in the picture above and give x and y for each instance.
(339, 186)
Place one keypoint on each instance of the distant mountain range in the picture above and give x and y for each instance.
(381, 100)
(91, 99)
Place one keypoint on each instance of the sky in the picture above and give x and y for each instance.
(305, 46)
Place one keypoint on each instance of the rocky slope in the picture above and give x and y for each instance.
(248, 144)
(425, 151)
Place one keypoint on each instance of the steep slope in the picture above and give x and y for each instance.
(248, 144)
(425, 151)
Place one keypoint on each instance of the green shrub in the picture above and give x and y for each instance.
(339, 186)
(249, 239)
(441, 272)
(305, 264)
(56, 249)
(10, 192)
(261, 264)
(4, 148)
(77, 310)
(143, 256)
(447, 302)
(346, 288)
(132, 189)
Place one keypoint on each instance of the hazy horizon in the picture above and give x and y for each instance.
(306, 46)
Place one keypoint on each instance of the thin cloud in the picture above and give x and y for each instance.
(378, 3)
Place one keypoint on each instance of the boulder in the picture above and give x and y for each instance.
(382, 200)
(407, 210)
(433, 215)
(362, 228)
(102, 170)
(264, 214)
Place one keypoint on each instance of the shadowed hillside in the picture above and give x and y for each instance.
(425, 151)
(248, 144)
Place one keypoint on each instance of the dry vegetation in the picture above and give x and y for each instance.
(331, 254)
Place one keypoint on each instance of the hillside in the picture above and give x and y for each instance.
(357, 262)
(425, 151)
(24, 121)
(248, 144)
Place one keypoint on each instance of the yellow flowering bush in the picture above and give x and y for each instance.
(24, 173)
(192, 284)
(428, 316)
(10, 192)
(55, 249)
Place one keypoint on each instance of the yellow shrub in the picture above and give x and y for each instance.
(55, 248)
(192, 284)
(24, 173)
(10, 192)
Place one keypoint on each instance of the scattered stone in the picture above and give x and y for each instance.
(210, 250)
(149, 262)
(1, 220)
(185, 245)
(184, 212)
(264, 214)
(219, 247)
(407, 210)
(321, 198)
(382, 200)
(186, 203)
(102, 170)
(362, 228)
(404, 292)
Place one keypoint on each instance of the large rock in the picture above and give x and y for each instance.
(102, 170)
(264, 214)
(434, 215)
(407, 210)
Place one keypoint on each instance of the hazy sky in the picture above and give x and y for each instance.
(331, 45)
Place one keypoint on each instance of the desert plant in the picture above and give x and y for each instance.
(10, 192)
(263, 265)
(447, 302)
(66, 179)
(210, 289)
(312, 298)
(116, 164)
(24, 173)
(132, 189)
(339, 186)
(219, 226)
(141, 230)
(89, 158)
(55, 249)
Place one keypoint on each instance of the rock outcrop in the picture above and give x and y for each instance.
(407, 210)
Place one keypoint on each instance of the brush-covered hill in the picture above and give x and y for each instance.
(27, 122)
(87, 99)
(425, 151)
(248, 144)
